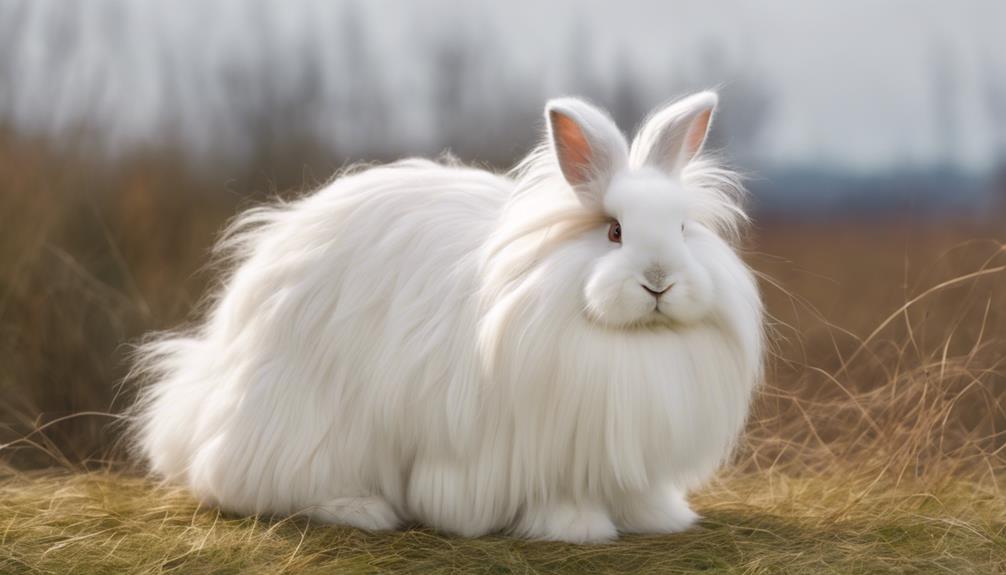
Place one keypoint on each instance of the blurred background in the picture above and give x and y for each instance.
(874, 135)
(843, 106)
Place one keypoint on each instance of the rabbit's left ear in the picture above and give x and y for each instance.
(671, 137)
(588, 146)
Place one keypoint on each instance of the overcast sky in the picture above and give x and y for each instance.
(860, 85)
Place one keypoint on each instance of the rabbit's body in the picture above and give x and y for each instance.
(407, 344)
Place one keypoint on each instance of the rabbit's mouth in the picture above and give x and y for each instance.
(664, 320)
(653, 320)
(677, 313)
(665, 313)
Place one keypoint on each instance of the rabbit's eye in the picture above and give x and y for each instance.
(615, 232)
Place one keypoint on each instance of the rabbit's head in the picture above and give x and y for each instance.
(651, 253)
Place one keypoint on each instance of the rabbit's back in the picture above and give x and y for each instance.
(328, 356)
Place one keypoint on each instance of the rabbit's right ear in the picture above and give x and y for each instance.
(588, 146)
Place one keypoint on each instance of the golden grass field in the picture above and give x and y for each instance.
(877, 444)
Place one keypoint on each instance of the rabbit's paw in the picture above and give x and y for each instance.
(572, 523)
(663, 510)
(369, 512)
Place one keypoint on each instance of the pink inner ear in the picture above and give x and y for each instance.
(697, 133)
(574, 152)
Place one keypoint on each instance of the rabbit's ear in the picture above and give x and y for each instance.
(673, 136)
(588, 145)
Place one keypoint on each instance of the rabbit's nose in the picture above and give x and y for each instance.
(655, 276)
(656, 282)
(656, 293)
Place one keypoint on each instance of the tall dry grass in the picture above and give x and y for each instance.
(884, 405)
(92, 255)
(890, 356)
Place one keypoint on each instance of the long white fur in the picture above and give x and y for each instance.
(429, 342)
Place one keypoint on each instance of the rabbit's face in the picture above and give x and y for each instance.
(651, 269)
(649, 273)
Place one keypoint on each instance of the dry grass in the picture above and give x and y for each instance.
(878, 442)
(764, 523)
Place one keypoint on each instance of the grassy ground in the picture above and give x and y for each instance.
(764, 523)
(877, 444)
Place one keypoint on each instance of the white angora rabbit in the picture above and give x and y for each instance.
(558, 353)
